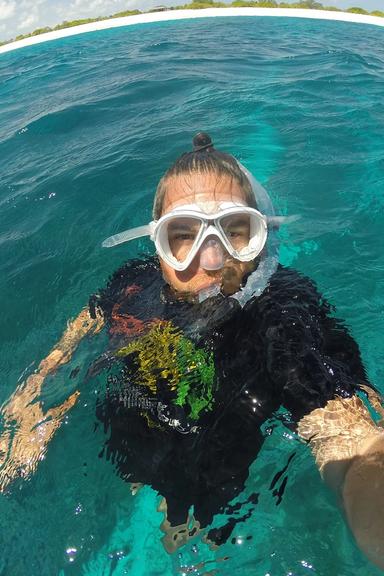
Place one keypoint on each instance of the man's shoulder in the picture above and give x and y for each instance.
(290, 285)
(291, 278)
(129, 283)
(141, 271)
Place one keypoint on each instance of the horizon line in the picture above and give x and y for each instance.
(147, 18)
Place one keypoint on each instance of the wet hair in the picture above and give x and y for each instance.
(204, 158)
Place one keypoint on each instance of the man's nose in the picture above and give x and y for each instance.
(212, 254)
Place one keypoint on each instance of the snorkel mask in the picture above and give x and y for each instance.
(191, 231)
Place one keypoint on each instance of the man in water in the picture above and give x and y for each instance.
(210, 340)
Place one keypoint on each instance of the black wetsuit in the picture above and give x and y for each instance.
(282, 349)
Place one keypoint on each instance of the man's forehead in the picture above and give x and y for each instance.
(208, 207)
(207, 190)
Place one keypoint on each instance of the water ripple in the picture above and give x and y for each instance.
(89, 124)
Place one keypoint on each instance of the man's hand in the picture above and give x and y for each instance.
(27, 427)
(363, 497)
(24, 442)
(349, 449)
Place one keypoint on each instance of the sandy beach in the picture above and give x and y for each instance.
(187, 14)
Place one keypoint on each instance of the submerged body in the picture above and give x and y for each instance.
(184, 415)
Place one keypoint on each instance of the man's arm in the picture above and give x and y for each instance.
(349, 449)
(27, 428)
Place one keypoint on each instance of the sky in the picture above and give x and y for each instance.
(23, 16)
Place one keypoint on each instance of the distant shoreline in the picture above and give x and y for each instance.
(188, 14)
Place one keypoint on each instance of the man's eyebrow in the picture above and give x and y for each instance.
(237, 221)
(180, 225)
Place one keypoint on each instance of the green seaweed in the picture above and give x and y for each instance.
(164, 352)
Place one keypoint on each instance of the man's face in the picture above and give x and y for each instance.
(208, 191)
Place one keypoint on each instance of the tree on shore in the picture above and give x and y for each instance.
(357, 10)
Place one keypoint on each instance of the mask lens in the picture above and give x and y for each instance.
(182, 234)
(237, 229)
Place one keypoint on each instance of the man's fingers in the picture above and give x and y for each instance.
(59, 411)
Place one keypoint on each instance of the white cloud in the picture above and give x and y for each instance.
(94, 8)
(7, 9)
(31, 14)
(24, 16)
(28, 22)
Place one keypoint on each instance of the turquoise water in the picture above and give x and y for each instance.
(87, 127)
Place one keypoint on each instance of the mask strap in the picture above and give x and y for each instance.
(274, 222)
(127, 235)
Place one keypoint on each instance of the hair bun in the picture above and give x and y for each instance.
(201, 141)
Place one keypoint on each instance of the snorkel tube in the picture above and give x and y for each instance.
(258, 280)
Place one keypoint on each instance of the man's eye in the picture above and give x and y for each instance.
(184, 236)
(239, 233)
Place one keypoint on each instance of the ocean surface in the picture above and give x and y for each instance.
(88, 125)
